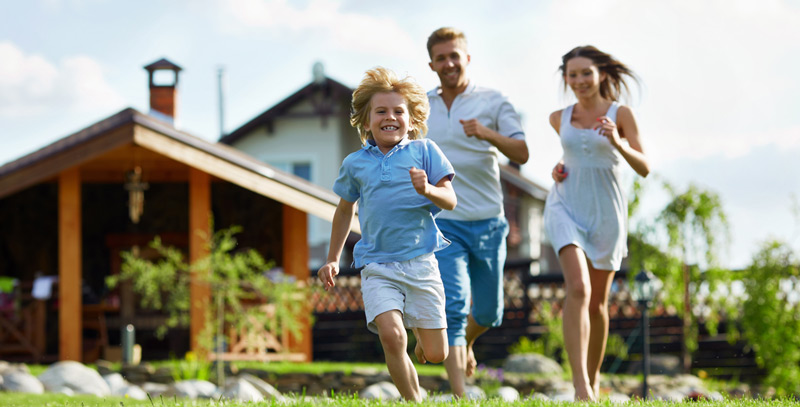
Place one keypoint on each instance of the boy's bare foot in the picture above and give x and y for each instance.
(420, 354)
(472, 364)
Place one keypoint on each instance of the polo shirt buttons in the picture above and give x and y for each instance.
(386, 175)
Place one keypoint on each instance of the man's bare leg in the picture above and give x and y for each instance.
(473, 332)
(455, 364)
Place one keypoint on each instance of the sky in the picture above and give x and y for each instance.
(717, 104)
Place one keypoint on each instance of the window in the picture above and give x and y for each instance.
(302, 170)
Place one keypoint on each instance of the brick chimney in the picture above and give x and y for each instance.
(163, 79)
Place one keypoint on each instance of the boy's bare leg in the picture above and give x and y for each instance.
(431, 345)
(394, 339)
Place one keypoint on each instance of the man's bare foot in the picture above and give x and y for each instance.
(420, 354)
(471, 362)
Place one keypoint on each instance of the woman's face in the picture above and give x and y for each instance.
(583, 77)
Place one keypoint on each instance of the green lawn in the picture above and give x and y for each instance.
(51, 400)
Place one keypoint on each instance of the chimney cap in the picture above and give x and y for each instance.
(163, 63)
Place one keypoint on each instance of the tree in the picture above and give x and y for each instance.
(771, 315)
(694, 226)
(693, 220)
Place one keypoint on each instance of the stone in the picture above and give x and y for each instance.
(115, 382)
(104, 367)
(532, 363)
(21, 382)
(267, 391)
(6, 367)
(154, 389)
(241, 390)
(385, 391)
(76, 376)
(132, 391)
(137, 373)
(192, 389)
(507, 393)
(472, 392)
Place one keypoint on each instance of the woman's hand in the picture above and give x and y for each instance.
(608, 129)
(559, 172)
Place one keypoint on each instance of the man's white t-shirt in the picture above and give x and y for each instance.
(477, 185)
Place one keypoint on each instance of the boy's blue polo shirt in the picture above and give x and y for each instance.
(396, 222)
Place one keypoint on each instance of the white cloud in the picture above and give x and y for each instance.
(31, 85)
(325, 18)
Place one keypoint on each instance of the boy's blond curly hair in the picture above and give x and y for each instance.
(382, 80)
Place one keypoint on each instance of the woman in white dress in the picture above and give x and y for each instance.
(586, 212)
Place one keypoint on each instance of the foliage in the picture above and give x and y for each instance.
(490, 379)
(695, 227)
(616, 346)
(238, 280)
(771, 315)
(190, 368)
(162, 285)
(551, 343)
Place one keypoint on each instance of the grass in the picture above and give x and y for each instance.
(53, 400)
(287, 367)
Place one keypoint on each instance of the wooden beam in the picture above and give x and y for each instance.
(295, 263)
(70, 328)
(199, 233)
(259, 183)
(64, 160)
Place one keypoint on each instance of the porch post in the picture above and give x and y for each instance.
(295, 263)
(199, 229)
(70, 324)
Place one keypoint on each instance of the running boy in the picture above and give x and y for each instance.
(389, 176)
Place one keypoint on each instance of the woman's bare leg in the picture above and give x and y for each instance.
(598, 324)
(576, 317)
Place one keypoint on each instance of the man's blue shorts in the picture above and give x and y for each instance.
(472, 272)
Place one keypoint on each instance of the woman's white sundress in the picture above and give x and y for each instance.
(588, 208)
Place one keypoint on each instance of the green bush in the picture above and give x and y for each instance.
(238, 280)
(771, 316)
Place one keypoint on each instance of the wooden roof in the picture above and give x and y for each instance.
(107, 149)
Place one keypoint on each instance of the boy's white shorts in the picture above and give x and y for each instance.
(413, 287)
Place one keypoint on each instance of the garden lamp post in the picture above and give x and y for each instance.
(645, 285)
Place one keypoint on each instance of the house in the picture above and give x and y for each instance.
(309, 134)
(69, 208)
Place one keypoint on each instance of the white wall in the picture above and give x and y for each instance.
(321, 148)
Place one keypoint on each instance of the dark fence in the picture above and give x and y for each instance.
(340, 332)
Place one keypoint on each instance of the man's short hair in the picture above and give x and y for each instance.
(445, 34)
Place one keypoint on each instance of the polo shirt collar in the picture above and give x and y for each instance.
(371, 145)
(470, 88)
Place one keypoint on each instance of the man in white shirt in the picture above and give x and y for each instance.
(472, 125)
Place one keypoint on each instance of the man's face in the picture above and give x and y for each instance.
(449, 60)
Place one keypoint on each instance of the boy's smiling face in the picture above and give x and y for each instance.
(389, 120)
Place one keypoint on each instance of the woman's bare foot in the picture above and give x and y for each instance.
(584, 393)
(420, 354)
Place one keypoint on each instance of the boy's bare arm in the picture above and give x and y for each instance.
(441, 194)
(341, 228)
